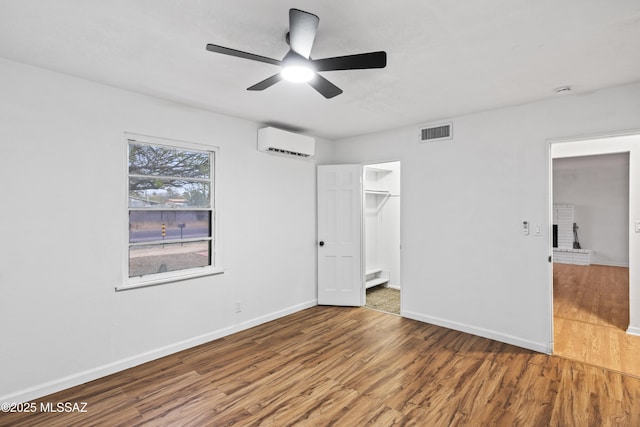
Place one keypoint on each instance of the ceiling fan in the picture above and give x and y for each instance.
(297, 66)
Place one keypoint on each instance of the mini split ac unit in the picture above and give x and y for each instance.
(278, 141)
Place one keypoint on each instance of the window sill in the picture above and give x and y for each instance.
(137, 283)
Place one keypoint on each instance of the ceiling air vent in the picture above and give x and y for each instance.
(436, 133)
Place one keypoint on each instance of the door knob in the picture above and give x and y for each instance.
(321, 243)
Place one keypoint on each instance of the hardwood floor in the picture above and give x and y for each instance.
(338, 366)
(591, 315)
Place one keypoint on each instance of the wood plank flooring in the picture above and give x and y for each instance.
(339, 366)
(591, 315)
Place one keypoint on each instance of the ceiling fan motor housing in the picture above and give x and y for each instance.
(297, 65)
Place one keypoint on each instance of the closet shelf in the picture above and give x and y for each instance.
(375, 277)
(376, 191)
(375, 282)
(377, 170)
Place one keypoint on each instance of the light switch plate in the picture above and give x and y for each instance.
(537, 230)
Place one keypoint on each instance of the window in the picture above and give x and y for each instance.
(171, 208)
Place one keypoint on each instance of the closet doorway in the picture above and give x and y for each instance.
(382, 236)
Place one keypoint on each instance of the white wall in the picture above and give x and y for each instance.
(63, 225)
(465, 262)
(598, 187)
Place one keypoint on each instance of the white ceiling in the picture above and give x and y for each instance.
(445, 58)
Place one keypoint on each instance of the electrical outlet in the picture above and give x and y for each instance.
(238, 306)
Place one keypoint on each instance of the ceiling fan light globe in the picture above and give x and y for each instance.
(297, 73)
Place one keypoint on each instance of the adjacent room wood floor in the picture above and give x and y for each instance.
(591, 316)
(349, 367)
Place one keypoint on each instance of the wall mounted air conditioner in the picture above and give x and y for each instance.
(278, 141)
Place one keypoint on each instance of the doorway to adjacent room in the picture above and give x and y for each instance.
(590, 193)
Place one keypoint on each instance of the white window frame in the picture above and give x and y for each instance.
(179, 275)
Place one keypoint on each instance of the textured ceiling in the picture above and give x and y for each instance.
(445, 58)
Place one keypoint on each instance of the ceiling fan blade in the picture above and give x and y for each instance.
(266, 83)
(324, 86)
(241, 54)
(302, 31)
(352, 62)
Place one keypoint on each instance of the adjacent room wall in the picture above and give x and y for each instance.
(465, 261)
(598, 187)
(63, 224)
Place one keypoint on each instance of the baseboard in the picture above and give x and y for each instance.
(610, 263)
(73, 380)
(633, 330)
(486, 333)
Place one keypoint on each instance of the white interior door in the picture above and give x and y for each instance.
(340, 235)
